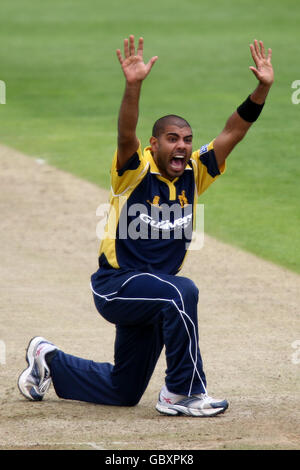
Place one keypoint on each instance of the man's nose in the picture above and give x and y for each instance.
(181, 145)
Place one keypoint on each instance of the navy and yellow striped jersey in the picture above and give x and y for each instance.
(151, 219)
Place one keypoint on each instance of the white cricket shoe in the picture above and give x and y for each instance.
(35, 381)
(200, 405)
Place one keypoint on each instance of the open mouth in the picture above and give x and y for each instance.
(177, 163)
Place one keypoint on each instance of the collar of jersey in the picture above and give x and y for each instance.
(153, 167)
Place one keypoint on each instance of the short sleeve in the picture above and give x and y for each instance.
(129, 174)
(206, 166)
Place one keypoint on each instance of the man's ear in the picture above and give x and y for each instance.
(153, 143)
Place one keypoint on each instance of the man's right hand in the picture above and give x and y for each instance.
(135, 71)
(133, 66)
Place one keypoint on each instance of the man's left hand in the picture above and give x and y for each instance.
(264, 69)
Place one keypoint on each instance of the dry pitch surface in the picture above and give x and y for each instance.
(248, 317)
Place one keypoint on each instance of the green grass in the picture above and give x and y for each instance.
(64, 87)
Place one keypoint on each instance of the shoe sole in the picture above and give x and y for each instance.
(179, 411)
(26, 372)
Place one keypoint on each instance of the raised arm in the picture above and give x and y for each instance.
(241, 120)
(135, 71)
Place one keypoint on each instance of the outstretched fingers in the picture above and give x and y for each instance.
(131, 45)
(269, 58)
(255, 52)
(126, 51)
(151, 63)
(140, 48)
(129, 48)
(262, 50)
(257, 48)
(119, 55)
(258, 52)
(263, 69)
(132, 61)
(126, 48)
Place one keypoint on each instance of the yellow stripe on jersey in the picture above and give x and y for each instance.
(123, 182)
(122, 185)
(202, 177)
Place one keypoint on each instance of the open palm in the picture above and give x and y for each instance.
(133, 66)
(264, 69)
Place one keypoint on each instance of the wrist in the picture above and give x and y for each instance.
(260, 94)
(249, 110)
(134, 85)
(132, 91)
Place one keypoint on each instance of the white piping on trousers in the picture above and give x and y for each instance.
(181, 312)
(194, 360)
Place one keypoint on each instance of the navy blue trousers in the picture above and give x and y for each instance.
(150, 311)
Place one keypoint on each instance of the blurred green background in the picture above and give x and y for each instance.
(64, 87)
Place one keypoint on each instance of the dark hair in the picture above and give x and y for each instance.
(161, 123)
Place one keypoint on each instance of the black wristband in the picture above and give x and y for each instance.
(249, 111)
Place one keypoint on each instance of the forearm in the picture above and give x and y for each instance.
(248, 112)
(242, 119)
(129, 113)
(240, 122)
(135, 71)
(260, 93)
